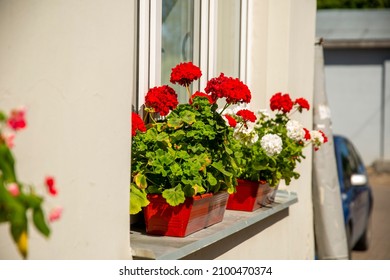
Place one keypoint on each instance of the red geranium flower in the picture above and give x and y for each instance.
(232, 121)
(232, 89)
(185, 73)
(302, 103)
(247, 115)
(17, 119)
(50, 184)
(307, 134)
(161, 99)
(136, 124)
(323, 135)
(281, 102)
(203, 95)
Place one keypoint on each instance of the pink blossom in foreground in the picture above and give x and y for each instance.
(17, 119)
(55, 214)
(13, 189)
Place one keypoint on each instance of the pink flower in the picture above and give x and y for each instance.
(13, 189)
(8, 139)
(55, 214)
(17, 119)
(50, 184)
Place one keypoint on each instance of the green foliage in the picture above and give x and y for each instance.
(253, 162)
(17, 210)
(353, 4)
(183, 155)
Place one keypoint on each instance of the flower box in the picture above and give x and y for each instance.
(217, 208)
(194, 214)
(250, 195)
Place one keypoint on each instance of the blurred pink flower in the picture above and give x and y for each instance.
(17, 119)
(55, 214)
(13, 189)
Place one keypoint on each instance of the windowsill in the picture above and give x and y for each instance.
(171, 248)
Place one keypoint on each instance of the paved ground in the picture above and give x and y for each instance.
(380, 243)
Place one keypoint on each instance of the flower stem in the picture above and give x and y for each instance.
(188, 91)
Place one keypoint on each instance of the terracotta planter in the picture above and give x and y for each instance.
(179, 221)
(250, 195)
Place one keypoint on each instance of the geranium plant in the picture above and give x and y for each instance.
(268, 148)
(185, 150)
(19, 202)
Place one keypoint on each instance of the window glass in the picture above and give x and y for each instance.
(228, 37)
(177, 39)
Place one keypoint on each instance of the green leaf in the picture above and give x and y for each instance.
(140, 181)
(174, 196)
(188, 117)
(7, 164)
(211, 179)
(138, 199)
(39, 221)
(175, 122)
(219, 166)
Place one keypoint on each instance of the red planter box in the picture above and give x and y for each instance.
(250, 195)
(194, 214)
(217, 208)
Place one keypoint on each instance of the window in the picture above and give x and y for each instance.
(211, 34)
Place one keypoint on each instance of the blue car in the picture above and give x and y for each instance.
(356, 194)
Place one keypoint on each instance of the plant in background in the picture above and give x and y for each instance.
(269, 148)
(186, 151)
(20, 202)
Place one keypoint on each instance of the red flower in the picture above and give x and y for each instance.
(232, 89)
(323, 135)
(136, 124)
(161, 99)
(203, 95)
(17, 119)
(247, 115)
(281, 102)
(232, 121)
(185, 73)
(50, 184)
(302, 103)
(307, 134)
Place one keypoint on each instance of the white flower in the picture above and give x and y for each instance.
(317, 137)
(246, 134)
(295, 130)
(272, 144)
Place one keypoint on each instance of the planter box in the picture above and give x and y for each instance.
(217, 208)
(250, 195)
(194, 214)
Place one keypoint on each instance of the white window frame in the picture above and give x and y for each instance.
(205, 25)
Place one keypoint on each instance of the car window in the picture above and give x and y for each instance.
(349, 163)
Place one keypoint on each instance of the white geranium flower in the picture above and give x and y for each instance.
(317, 137)
(272, 144)
(246, 134)
(295, 130)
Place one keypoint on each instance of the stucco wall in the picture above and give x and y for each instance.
(71, 64)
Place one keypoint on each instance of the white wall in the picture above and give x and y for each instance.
(71, 63)
(281, 58)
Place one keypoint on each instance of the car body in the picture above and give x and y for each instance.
(356, 194)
